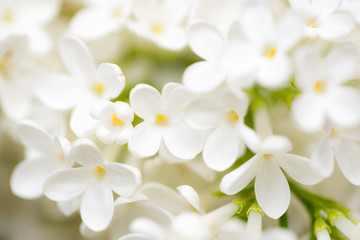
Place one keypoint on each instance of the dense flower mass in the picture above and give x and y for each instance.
(183, 119)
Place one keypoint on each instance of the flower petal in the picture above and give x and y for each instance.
(323, 158)
(86, 153)
(336, 26)
(236, 180)
(203, 76)
(275, 144)
(190, 195)
(205, 40)
(183, 141)
(67, 184)
(222, 148)
(122, 178)
(76, 57)
(145, 101)
(299, 168)
(347, 157)
(272, 190)
(81, 122)
(113, 79)
(97, 207)
(145, 140)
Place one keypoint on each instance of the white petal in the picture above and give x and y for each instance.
(97, 207)
(190, 195)
(236, 101)
(145, 101)
(325, 6)
(308, 111)
(322, 158)
(275, 72)
(86, 153)
(16, 101)
(347, 157)
(203, 114)
(236, 180)
(29, 176)
(113, 79)
(272, 190)
(81, 122)
(343, 106)
(323, 235)
(278, 234)
(251, 139)
(222, 148)
(183, 141)
(203, 76)
(60, 92)
(148, 227)
(67, 184)
(336, 26)
(290, 29)
(69, 207)
(34, 137)
(205, 40)
(145, 140)
(275, 144)
(76, 57)
(105, 135)
(299, 168)
(123, 179)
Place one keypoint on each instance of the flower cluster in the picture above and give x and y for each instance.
(262, 103)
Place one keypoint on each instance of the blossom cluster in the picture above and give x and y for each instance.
(266, 105)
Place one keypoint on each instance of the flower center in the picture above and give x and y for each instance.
(161, 119)
(312, 25)
(99, 172)
(156, 28)
(269, 52)
(319, 87)
(116, 121)
(117, 13)
(4, 63)
(232, 116)
(7, 17)
(267, 157)
(98, 88)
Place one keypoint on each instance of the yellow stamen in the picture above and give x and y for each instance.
(232, 116)
(7, 17)
(62, 158)
(267, 157)
(269, 52)
(98, 88)
(116, 121)
(99, 172)
(319, 87)
(117, 13)
(312, 25)
(157, 28)
(4, 61)
(161, 119)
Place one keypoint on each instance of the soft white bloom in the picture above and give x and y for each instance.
(348, 228)
(224, 117)
(114, 121)
(162, 122)
(161, 22)
(342, 145)
(236, 229)
(323, 19)
(86, 85)
(271, 187)
(352, 7)
(94, 181)
(28, 18)
(44, 155)
(323, 93)
(323, 235)
(100, 18)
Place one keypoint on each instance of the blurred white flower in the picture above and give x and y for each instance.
(324, 94)
(44, 155)
(94, 181)
(100, 18)
(86, 85)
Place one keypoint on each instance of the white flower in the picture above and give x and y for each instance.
(100, 18)
(114, 122)
(271, 187)
(29, 18)
(161, 22)
(86, 85)
(347, 227)
(323, 18)
(324, 95)
(323, 235)
(44, 155)
(94, 181)
(225, 116)
(162, 122)
(342, 145)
